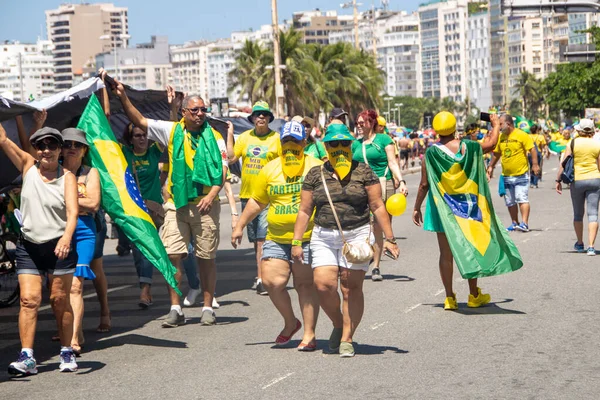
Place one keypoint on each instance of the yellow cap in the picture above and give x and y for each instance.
(381, 121)
(444, 123)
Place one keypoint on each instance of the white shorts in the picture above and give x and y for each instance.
(326, 246)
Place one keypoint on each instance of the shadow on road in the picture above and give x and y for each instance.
(367, 349)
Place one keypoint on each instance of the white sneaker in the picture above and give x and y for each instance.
(215, 303)
(190, 299)
(67, 361)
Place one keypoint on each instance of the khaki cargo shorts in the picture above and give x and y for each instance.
(187, 224)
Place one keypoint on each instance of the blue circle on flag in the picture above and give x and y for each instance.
(133, 190)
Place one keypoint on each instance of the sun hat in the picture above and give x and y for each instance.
(294, 129)
(74, 135)
(261, 107)
(337, 132)
(444, 123)
(46, 132)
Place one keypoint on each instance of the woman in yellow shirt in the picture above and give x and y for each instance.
(279, 184)
(586, 186)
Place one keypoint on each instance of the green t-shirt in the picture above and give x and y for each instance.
(146, 168)
(376, 154)
(316, 150)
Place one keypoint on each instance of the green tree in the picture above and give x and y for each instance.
(528, 88)
(247, 69)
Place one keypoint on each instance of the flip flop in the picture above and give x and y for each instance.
(103, 327)
(312, 346)
(283, 340)
(145, 303)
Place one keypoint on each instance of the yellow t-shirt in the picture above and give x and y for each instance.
(255, 152)
(513, 149)
(283, 194)
(586, 152)
(539, 140)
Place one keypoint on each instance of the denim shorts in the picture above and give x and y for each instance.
(39, 259)
(257, 228)
(283, 251)
(517, 189)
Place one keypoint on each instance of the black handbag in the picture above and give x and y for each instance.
(568, 164)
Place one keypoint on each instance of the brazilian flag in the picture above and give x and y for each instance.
(121, 197)
(523, 124)
(479, 243)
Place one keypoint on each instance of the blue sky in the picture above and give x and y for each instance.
(181, 20)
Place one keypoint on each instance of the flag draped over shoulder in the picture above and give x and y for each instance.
(479, 242)
(121, 198)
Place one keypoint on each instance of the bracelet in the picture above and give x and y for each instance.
(392, 241)
(558, 181)
(297, 242)
(402, 181)
(235, 214)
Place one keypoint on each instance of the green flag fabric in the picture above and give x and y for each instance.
(121, 198)
(195, 163)
(462, 204)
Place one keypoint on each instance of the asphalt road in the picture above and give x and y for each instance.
(537, 340)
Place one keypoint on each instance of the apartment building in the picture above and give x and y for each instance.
(443, 28)
(26, 70)
(189, 69)
(479, 61)
(79, 32)
(317, 25)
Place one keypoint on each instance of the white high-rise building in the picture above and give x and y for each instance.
(189, 68)
(444, 56)
(398, 55)
(479, 62)
(26, 70)
(79, 32)
(579, 23)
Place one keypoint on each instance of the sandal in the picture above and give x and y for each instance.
(283, 340)
(311, 346)
(145, 303)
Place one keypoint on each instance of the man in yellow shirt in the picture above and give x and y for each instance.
(513, 147)
(255, 147)
(279, 184)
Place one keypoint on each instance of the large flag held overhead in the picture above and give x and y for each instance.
(479, 242)
(121, 198)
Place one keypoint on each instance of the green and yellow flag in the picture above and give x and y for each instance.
(479, 242)
(121, 197)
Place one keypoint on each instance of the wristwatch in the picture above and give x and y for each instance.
(235, 214)
(392, 240)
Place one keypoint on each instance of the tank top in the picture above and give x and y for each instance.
(43, 207)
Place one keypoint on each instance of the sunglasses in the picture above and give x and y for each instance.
(261, 114)
(69, 144)
(139, 136)
(337, 143)
(307, 126)
(52, 146)
(197, 110)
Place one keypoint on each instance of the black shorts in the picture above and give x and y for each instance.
(404, 153)
(38, 259)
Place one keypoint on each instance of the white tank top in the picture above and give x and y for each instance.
(43, 207)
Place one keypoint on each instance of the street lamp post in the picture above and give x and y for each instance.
(355, 6)
(398, 105)
(113, 40)
(388, 99)
(277, 61)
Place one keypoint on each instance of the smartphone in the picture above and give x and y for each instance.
(389, 254)
(485, 117)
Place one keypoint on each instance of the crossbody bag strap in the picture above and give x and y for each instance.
(364, 148)
(331, 204)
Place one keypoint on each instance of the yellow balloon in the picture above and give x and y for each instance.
(396, 204)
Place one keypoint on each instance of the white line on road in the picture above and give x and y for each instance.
(554, 169)
(538, 234)
(439, 292)
(409, 309)
(278, 380)
(377, 326)
(87, 296)
(526, 240)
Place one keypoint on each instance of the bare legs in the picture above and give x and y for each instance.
(447, 267)
(101, 286)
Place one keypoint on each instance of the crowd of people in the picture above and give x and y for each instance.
(312, 204)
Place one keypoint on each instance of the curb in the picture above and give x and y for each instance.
(410, 171)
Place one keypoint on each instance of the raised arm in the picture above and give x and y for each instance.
(489, 143)
(104, 100)
(174, 101)
(21, 159)
(132, 113)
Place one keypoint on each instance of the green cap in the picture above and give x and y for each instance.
(337, 132)
(261, 107)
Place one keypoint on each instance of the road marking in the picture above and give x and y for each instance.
(554, 169)
(377, 326)
(439, 292)
(526, 240)
(538, 234)
(278, 380)
(547, 229)
(87, 296)
(409, 309)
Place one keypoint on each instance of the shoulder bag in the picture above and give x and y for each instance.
(568, 164)
(355, 253)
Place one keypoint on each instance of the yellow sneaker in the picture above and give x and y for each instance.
(480, 300)
(450, 303)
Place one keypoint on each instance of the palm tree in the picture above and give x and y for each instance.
(248, 66)
(529, 89)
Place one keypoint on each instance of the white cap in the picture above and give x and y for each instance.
(585, 125)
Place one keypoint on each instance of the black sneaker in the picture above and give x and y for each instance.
(173, 319)
(376, 275)
(260, 289)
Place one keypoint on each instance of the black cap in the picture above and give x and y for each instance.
(337, 112)
(46, 132)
